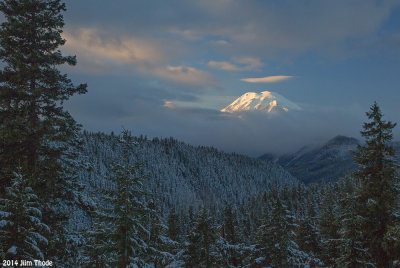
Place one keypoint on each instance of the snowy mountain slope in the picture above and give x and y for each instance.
(181, 176)
(265, 101)
(327, 162)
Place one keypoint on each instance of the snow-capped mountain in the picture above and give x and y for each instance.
(265, 101)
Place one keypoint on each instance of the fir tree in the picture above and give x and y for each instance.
(128, 212)
(97, 251)
(173, 231)
(22, 232)
(276, 243)
(392, 244)
(329, 228)
(307, 236)
(353, 252)
(377, 196)
(229, 224)
(232, 249)
(35, 131)
(274, 237)
(158, 253)
(201, 250)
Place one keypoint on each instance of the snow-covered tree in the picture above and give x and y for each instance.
(274, 238)
(35, 131)
(173, 231)
(328, 225)
(201, 248)
(229, 234)
(159, 246)
(391, 244)
(276, 244)
(307, 235)
(97, 250)
(22, 232)
(353, 252)
(127, 213)
(377, 196)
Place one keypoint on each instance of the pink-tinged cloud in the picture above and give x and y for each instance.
(91, 43)
(223, 65)
(241, 64)
(169, 105)
(185, 74)
(98, 49)
(250, 63)
(267, 79)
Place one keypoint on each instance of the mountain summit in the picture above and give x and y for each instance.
(266, 101)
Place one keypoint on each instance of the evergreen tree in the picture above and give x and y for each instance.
(377, 195)
(36, 133)
(159, 246)
(97, 251)
(329, 228)
(128, 213)
(233, 250)
(353, 252)
(229, 226)
(392, 244)
(276, 244)
(22, 232)
(307, 236)
(274, 238)
(173, 231)
(201, 250)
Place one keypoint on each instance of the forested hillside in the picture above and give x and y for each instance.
(180, 176)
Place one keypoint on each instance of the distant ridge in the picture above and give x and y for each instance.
(324, 163)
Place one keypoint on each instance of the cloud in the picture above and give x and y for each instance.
(221, 42)
(267, 79)
(252, 28)
(251, 63)
(223, 65)
(169, 105)
(91, 43)
(265, 27)
(189, 35)
(102, 52)
(185, 74)
(246, 64)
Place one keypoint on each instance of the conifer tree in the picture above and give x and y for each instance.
(128, 212)
(22, 232)
(353, 252)
(274, 238)
(173, 231)
(234, 251)
(158, 253)
(229, 224)
(328, 223)
(36, 133)
(201, 250)
(377, 196)
(307, 236)
(98, 251)
(276, 242)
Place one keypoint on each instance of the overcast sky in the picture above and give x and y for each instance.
(166, 68)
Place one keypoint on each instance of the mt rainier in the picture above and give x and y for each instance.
(265, 101)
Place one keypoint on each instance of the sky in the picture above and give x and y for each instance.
(166, 68)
